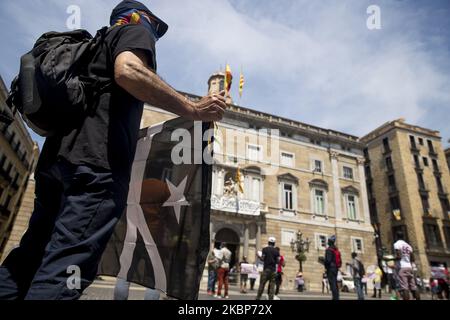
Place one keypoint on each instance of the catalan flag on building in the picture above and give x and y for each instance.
(397, 214)
(241, 84)
(228, 79)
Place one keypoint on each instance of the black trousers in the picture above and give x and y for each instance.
(278, 281)
(252, 283)
(332, 279)
(76, 210)
(266, 276)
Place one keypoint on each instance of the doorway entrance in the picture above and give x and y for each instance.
(233, 243)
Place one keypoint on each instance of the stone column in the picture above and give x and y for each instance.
(220, 182)
(246, 239)
(363, 187)
(211, 234)
(258, 238)
(336, 185)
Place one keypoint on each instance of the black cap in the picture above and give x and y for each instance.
(400, 235)
(160, 26)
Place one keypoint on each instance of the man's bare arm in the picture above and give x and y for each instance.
(131, 72)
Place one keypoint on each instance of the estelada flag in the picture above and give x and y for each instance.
(228, 78)
(162, 240)
(241, 84)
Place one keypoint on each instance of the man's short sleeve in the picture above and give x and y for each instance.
(397, 246)
(263, 253)
(133, 37)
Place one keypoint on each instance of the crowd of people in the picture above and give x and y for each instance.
(219, 271)
(268, 267)
(399, 273)
(396, 275)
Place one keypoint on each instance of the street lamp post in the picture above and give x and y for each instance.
(381, 251)
(299, 247)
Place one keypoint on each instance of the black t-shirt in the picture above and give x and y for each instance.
(107, 138)
(270, 258)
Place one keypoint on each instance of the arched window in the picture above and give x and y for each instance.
(351, 207)
(319, 189)
(253, 184)
(351, 202)
(319, 201)
(288, 185)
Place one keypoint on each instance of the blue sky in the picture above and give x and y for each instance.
(313, 61)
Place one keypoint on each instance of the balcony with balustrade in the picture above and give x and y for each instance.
(235, 204)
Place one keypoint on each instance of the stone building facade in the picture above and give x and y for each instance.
(274, 176)
(18, 155)
(299, 178)
(447, 156)
(407, 181)
(22, 219)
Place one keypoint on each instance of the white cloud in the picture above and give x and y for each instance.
(312, 61)
(331, 71)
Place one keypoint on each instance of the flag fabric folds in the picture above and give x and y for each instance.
(397, 214)
(241, 84)
(162, 240)
(228, 79)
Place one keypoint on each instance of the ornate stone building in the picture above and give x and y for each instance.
(22, 218)
(18, 155)
(303, 178)
(447, 156)
(407, 181)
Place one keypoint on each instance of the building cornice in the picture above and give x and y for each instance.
(19, 124)
(3, 89)
(401, 125)
(335, 152)
(238, 112)
(364, 227)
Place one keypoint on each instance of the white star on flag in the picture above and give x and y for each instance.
(177, 198)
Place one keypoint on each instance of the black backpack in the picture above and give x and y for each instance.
(53, 90)
(361, 269)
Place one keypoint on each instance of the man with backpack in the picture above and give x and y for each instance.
(358, 272)
(94, 111)
(332, 264)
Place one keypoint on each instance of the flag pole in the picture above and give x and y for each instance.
(241, 84)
